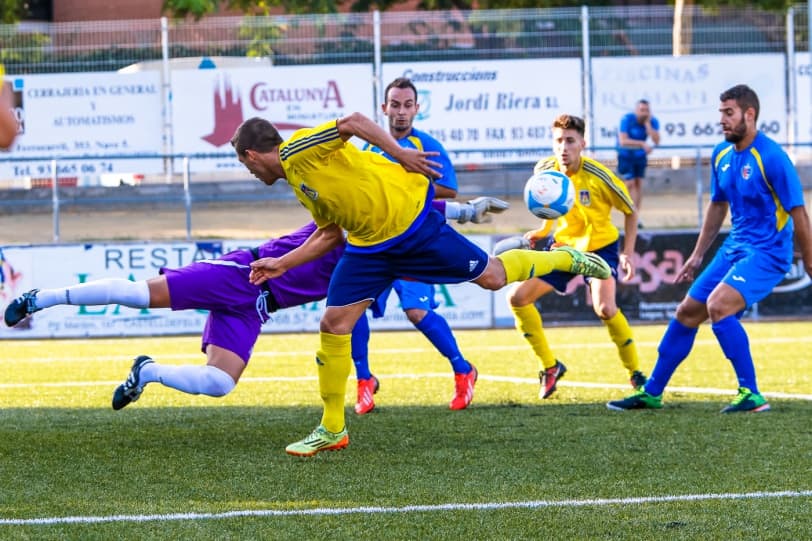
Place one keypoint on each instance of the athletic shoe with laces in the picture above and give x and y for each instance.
(463, 389)
(131, 389)
(747, 401)
(319, 440)
(21, 307)
(366, 388)
(586, 263)
(637, 379)
(637, 401)
(549, 378)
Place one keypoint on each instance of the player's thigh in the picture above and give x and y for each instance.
(625, 168)
(710, 277)
(604, 297)
(416, 295)
(211, 285)
(755, 275)
(226, 360)
(235, 332)
(527, 292)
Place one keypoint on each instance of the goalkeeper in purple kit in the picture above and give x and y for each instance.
(237, 309)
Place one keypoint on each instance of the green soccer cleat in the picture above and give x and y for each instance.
(319, 440)
(747, 401)
(637, 401)
(587, 263)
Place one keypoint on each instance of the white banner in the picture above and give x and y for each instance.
(86, 114)
(208, 105)
(28, 267)
(684, 96)
(502, 109)
(803, 86)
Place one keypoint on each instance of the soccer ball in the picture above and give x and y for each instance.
(549, 194)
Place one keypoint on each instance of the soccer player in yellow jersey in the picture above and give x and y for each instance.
(588, 227)
(392, 231)
(8, 122)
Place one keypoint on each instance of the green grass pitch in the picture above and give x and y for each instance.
(175, 466)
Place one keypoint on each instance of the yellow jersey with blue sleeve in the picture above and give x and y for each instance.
(588, 225)
(372, 198)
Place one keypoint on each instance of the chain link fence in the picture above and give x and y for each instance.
(28, 48)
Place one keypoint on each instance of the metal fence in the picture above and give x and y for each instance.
(28, 48)
(586, 33)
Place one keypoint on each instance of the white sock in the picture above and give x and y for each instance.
(192, 379)
(452, 210)
(105, 291)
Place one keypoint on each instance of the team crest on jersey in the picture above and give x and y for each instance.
(308, 191)
(584, 197)
(746, 172)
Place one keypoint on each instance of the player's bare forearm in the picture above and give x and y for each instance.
(411, 159)
(714, 218)
(803, 236)
(320, 242)
(629, 233)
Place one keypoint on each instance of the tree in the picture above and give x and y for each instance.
(11, 11)
(199, 8)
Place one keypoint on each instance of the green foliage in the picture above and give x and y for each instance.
(11, 11)
(66, 453)
(199, 8)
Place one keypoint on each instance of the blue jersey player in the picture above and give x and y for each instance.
(417, 298)
(636, 128)
(753, 177)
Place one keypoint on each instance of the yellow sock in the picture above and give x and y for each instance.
(523, 264)
(335, 362)
(528, 322)
(621, 335)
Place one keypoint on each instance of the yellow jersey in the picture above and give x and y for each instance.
(372, 198)
(588, 225)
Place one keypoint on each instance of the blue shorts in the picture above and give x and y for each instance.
(434, 253)
(560, 279)
(411, 294)
(631, 168)
(753, 273)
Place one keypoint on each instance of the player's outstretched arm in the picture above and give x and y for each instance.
(481, 209)
(320, 242)
(411, 159)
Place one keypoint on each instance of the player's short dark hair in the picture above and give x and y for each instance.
(255, 134)
(570, 122)
(400, 82)
(744, 96)
(642, 102)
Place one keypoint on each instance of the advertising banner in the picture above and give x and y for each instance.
(27, 267)
(803, 86)
(86, 114)
(684, 96)
(492, 111)
(652, 294)
(208, 105)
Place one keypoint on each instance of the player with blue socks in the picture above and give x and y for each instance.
(753, 177)
(417, 299)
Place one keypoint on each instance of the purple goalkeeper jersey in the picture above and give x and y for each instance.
(238, 308)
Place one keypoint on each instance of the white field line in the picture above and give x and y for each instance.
(308, 353)
(430, 375)
(368, 510)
